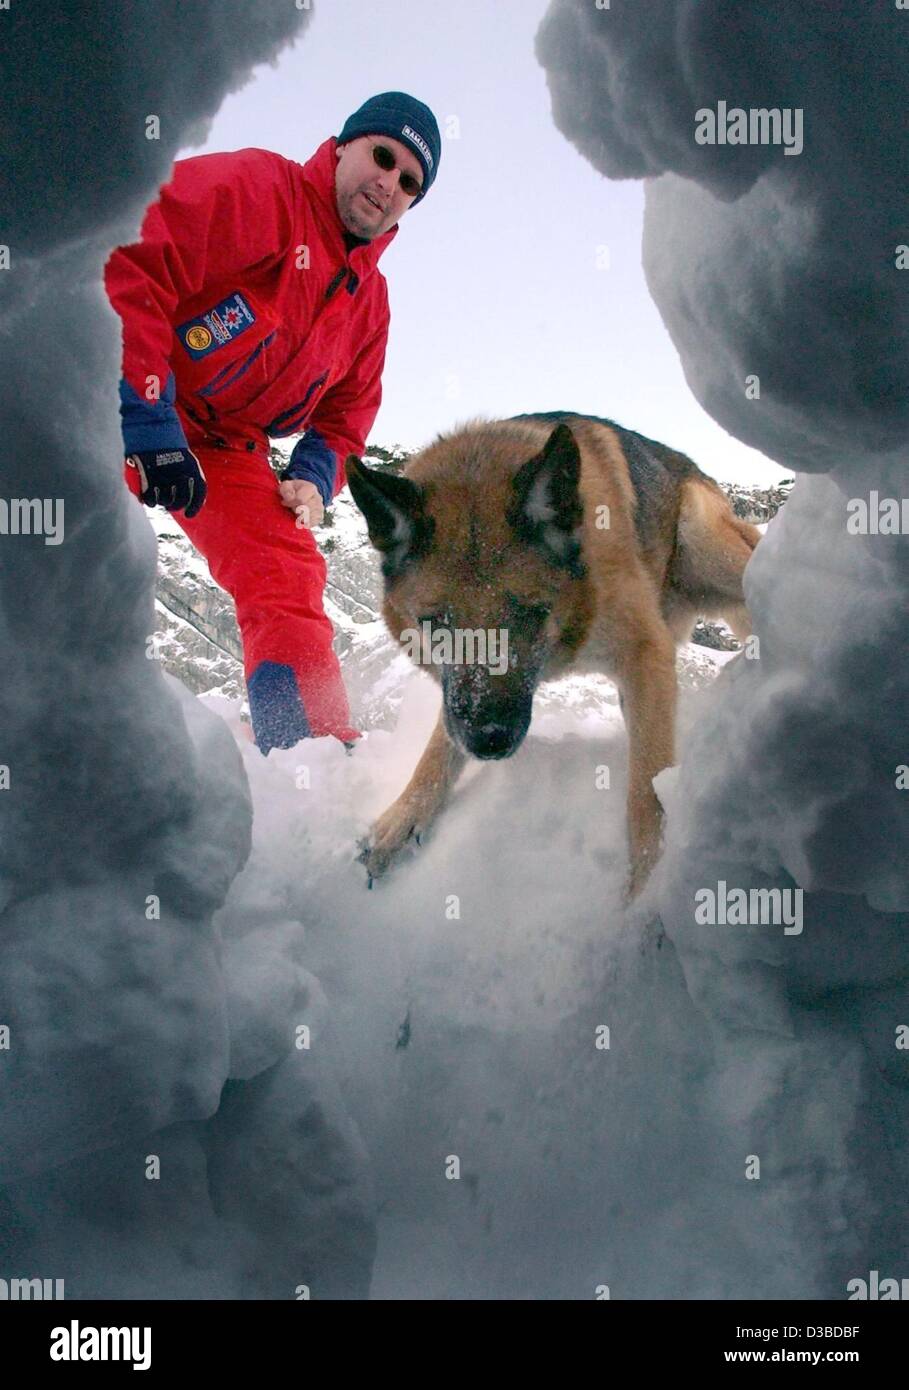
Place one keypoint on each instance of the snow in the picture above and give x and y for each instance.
(127, 1144)
(231, 1069)
(500, 1066)
(785, 269)
(474, 1035)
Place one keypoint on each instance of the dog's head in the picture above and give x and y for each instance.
(485, 582)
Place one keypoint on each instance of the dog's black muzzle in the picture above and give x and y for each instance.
(492, 740)
(485, 725)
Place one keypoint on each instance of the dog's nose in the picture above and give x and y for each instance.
(492, 740)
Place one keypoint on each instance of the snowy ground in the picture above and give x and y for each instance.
(464, 994)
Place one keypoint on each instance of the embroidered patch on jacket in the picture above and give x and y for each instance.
(216, 326)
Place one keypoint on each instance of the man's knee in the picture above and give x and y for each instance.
(274, 570)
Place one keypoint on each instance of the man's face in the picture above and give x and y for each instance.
(370, 199)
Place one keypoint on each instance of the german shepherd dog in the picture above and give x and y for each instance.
(587, 547)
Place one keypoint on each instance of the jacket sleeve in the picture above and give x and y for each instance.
(220, 215)
(344, 416)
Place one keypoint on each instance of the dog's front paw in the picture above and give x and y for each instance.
(398, 828)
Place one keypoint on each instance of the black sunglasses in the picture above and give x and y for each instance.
(385, 159)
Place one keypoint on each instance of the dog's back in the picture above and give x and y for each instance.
(657, 503)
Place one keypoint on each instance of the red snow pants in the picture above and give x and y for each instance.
(275, 573)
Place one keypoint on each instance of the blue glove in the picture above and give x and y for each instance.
(170, 478)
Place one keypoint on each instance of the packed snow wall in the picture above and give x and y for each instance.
(773, 141)
(125, 812)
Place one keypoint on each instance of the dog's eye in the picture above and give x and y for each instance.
(435, 619)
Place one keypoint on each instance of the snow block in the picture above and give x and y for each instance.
(287, 1166)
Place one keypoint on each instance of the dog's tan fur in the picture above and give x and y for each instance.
(672, 551)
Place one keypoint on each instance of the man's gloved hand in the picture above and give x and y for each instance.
(170, 478)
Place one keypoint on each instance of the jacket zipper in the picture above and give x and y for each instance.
(337, 280)
(353, 281)
(290, 415)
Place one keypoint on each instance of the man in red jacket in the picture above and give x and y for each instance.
(252, 308)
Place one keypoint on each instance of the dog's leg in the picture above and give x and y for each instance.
(418, 805)
(648, 682)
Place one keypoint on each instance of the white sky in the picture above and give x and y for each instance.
(497, 303)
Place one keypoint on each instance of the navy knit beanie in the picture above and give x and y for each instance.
(405, 119)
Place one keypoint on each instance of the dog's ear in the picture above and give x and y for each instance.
(546, 509)
(395, 511)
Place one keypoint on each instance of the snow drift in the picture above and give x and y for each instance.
(125, 810)
(786, 271)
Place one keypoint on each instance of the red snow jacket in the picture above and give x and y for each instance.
(244, 306)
